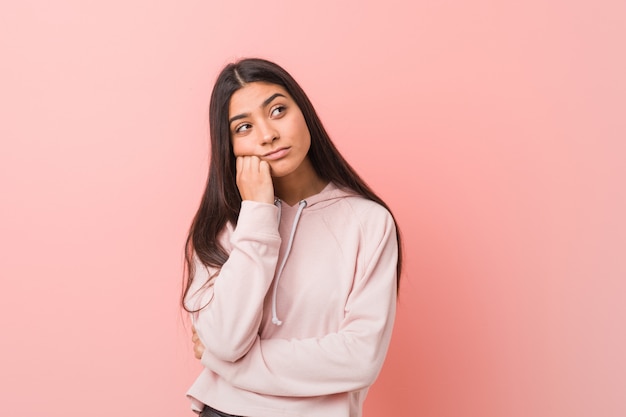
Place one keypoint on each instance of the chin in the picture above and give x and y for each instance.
(277, 171)
(278, 174)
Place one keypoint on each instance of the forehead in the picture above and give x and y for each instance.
(252, 95)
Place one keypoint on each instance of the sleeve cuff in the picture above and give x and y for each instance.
(257, 219)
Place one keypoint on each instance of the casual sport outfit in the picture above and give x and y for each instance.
(298, 320)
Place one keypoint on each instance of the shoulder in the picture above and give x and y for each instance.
(351, 202)
(377, 233)
(367, 212)
(360, 220)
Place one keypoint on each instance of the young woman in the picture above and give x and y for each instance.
(292, 260)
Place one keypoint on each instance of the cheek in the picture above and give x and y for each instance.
(307, 138)
(238, 148)
(304, 134)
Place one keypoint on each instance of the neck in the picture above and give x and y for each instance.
(298, 185)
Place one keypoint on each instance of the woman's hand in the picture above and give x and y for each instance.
(254, 180)
(198, 347)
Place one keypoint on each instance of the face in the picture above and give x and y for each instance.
(266, 122)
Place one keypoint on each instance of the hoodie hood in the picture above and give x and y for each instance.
(329, 195)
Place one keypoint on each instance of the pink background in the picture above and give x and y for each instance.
(494, 129)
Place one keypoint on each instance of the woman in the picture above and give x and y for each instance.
(292, 260)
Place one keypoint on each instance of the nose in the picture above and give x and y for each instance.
(268, 133)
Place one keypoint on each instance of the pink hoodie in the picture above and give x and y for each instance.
(298, 320)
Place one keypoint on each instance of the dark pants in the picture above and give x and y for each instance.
(212, 412)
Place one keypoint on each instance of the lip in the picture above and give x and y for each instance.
(276, 154)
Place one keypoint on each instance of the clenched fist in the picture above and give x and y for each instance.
(254, 180)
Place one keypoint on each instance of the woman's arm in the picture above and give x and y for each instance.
(232, 302)
(347, 360)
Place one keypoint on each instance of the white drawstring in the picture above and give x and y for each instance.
(301, 207)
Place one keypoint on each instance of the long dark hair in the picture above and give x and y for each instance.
(221, 201)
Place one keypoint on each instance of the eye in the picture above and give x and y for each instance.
(278, 110)
(244, 127)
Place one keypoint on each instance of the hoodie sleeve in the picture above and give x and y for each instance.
(345, 361)
(231, 300)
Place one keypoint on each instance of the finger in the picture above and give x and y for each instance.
(242, 167)
(198, 350)
(254, 164)
(239, 166)
(264, 168)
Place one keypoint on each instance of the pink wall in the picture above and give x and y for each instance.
(496, 131)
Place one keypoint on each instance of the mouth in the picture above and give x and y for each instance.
(276, 154)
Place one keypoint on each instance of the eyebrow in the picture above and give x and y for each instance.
(264, 104)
